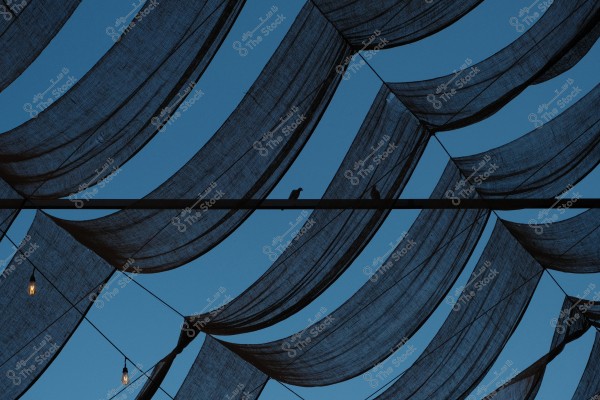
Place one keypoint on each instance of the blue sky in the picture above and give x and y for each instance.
(88, 367)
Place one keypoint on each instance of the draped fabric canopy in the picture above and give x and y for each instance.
(67, 276)
(150, 235)
(26, 28)
(55, 153)
(575, 318)
(553, 44)
(239, 161)
(308, 100)
(398, 21)
(398, 298)
(422, 276)
(463, 351)
(107, 116)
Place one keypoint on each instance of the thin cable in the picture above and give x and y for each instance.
(385, 83)
(502, 221)
(133, 381)
(82, 314)
(374, 72)
(157, 296)
(469, 324)
(288, 388)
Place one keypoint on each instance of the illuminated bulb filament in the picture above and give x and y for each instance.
(32, 287)
(125, 377)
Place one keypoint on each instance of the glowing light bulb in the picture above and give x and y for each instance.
(32, 287)
(125, 376)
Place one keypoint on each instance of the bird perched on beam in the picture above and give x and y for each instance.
(375, 195)
(294, 195)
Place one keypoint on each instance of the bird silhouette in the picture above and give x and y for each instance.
(375, 193)
(295, 194)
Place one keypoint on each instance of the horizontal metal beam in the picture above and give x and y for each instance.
(278, 204)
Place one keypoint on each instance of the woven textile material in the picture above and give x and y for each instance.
(77, 273)
(398, 21)
(224, 376)
(575, 318)
(26, 28)
(554, 43)
(115, 109)
(245, 158)
(494, 167)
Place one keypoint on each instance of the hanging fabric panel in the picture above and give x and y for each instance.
(478, 91)
(333, 238)
(560, 245)
(398, 21)
(283, 114)
(574, 136)
(494, 168)
(401, 295)
(472, 337)
(112, 112)
(26, 350)
(224, 376)
(589, 385)
(26, 28)
(240, 161)
(572, 322)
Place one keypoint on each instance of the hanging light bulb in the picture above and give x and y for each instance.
(125, 376)
(32, 287)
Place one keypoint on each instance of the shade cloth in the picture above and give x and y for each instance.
(26, 28)
(473, 92)
(106, 116)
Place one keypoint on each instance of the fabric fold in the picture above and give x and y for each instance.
(398, 21)
(575, 318)
(224, 376)
(26, 28)
(403, 290)
(554, 43)
(245, 158)
(589, 385)
(76, 275)
(472, 337)
(494, 168)
(561, 245)
(115, 109)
